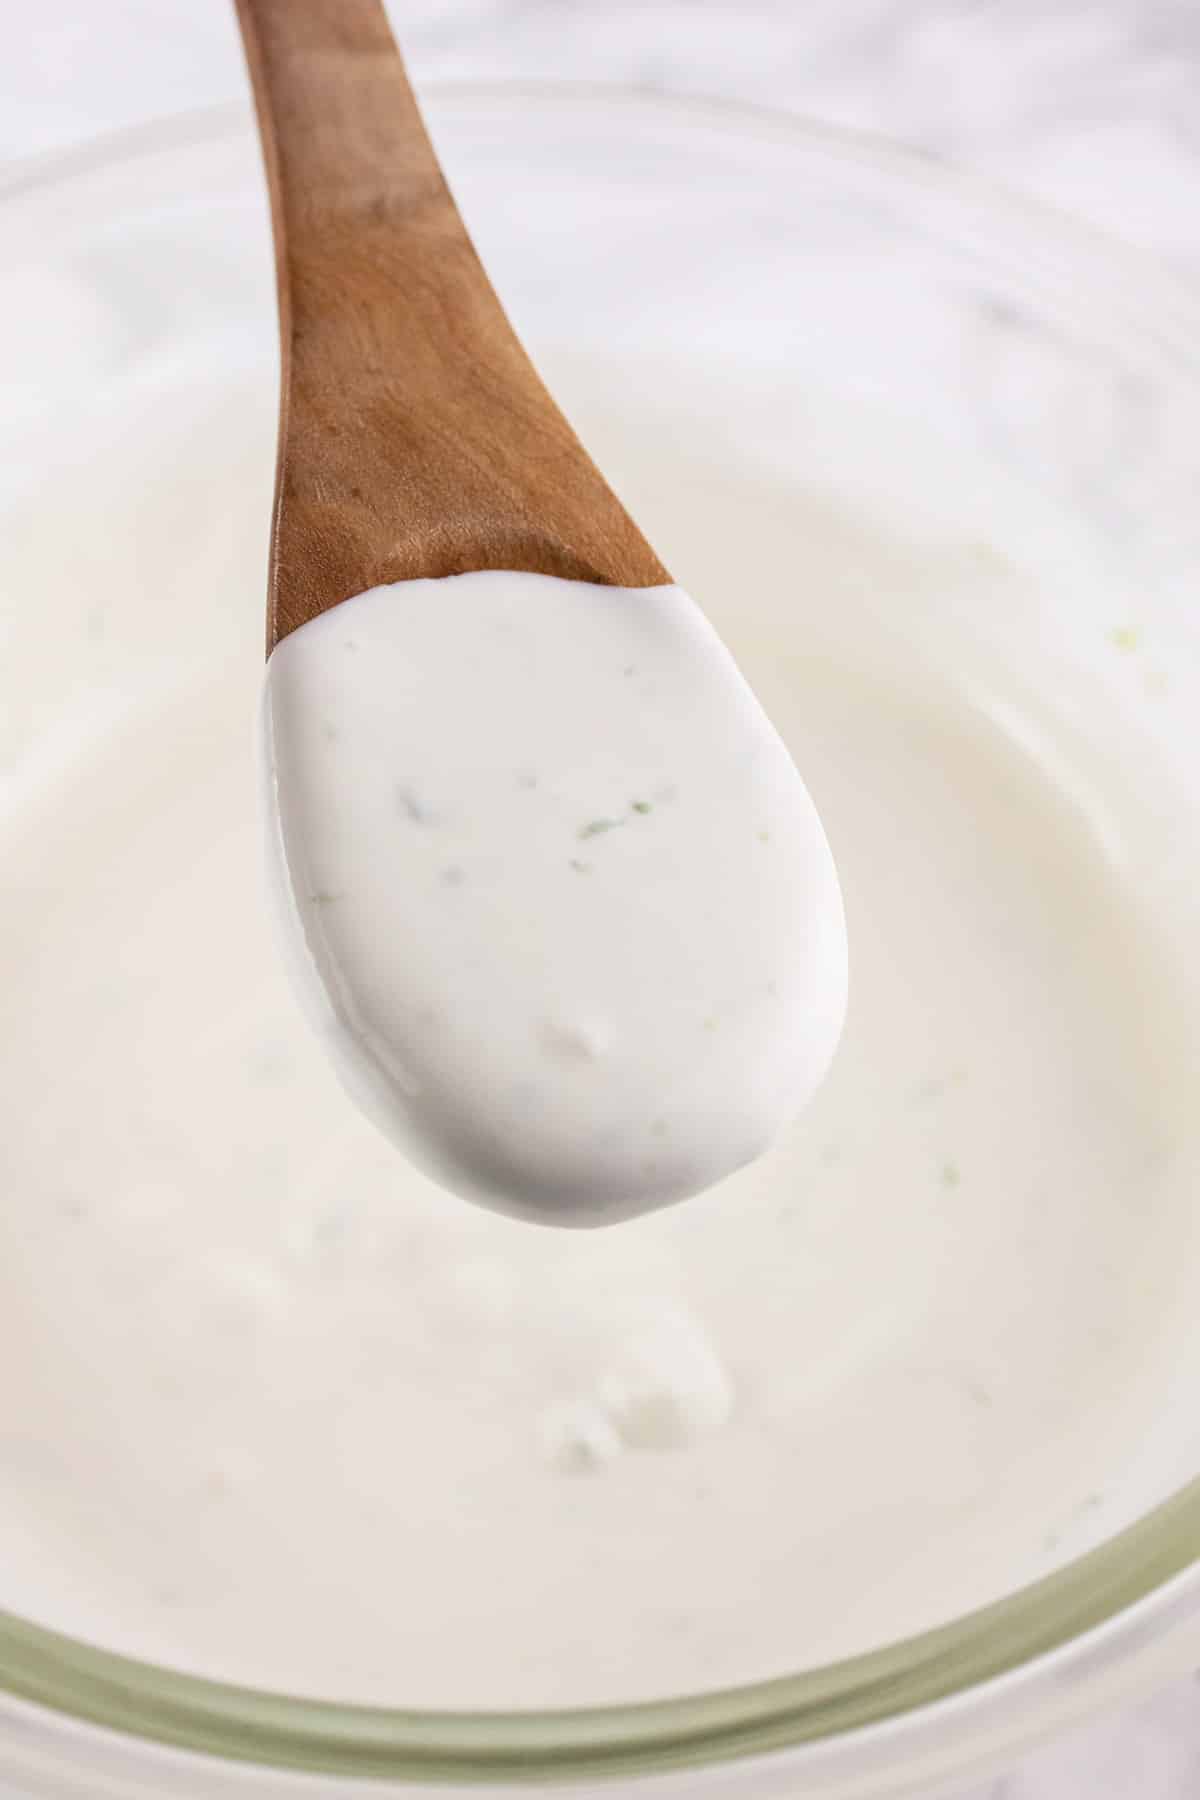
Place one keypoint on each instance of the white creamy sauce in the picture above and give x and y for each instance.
(274, 1408)
(552, 888)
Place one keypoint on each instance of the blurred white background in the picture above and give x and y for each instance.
(1092, 105)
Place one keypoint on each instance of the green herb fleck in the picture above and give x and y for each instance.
(580, 868)
(642, 806)
(951, 1175)
(413, 809)
(764, 837)
(1125, 637)
(320, 898)
(596, 826)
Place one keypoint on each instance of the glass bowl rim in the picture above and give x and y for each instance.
(1134, 1585)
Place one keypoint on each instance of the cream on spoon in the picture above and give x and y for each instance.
(554, 892)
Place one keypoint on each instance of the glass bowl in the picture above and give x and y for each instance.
(928, 294)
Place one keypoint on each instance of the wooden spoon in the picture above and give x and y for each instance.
(415, 437)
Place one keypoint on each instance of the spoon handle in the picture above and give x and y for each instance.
(415, 438)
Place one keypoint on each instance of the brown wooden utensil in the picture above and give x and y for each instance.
(415, 436)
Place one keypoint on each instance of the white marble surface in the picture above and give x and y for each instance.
(1093, 105)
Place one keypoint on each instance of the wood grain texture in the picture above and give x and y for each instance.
(415, 438)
